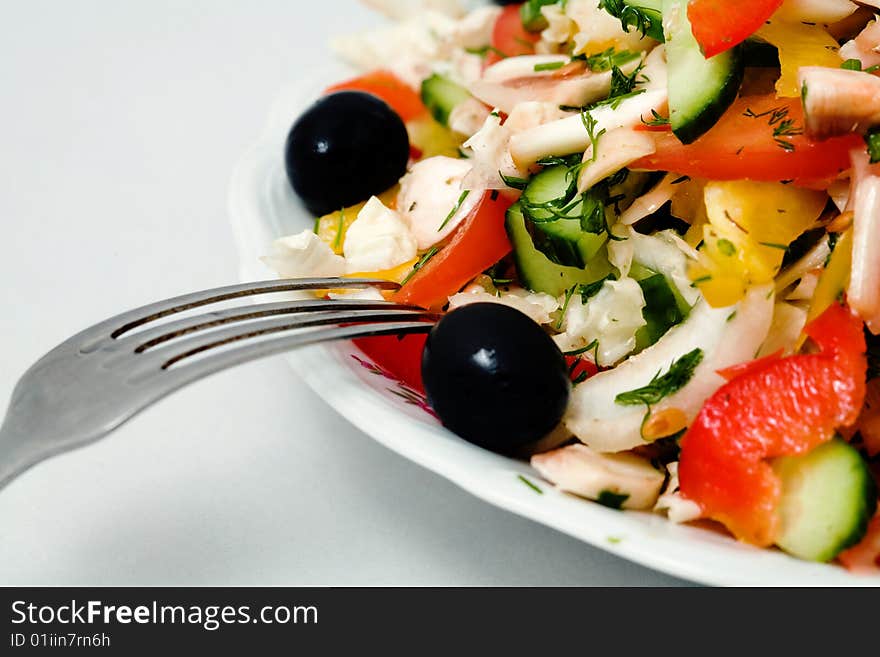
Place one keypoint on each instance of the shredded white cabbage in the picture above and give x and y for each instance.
(377, 240)
(612, 318)
(538, 306)
(304, 255)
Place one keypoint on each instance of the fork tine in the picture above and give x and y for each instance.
(153, 337)
(140, 316)
(190, 372)
(163, 357)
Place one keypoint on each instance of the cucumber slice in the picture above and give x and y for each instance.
(552, 184)
(562, 239)
(642, 15)
(700, 89)
(828, 497)
(536, 271)
(441, 95)
(661, 311)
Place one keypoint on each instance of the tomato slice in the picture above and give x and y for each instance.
(480, 242)
(775, 407)
(719, 25)
(402, 98)
(747, 143)
(399, 356)
(509, 37)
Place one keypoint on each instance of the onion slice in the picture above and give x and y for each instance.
(863, 293)
(613, 152)
(838, 101)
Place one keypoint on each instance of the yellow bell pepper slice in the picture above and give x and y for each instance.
(395, 275)
(835, 279)
(750, 226)
(433, 138)
(331, 228)
(799, 45)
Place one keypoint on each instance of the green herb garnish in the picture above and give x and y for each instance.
(658, 120)
(568, 295)
(589, 290)
(726, 247)
(430, 253)
(530, 485)
(662, 386)
(783, 127)
(513, 182)
(549, 66)
(630, 17)
(454, 210)
(872, 140)
(337, 242)
(612, 500)
(608, 59)
(590, 125)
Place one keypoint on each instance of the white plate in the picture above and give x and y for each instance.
(263, 207)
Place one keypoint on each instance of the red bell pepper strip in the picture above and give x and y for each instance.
(864, 557)
(747, 143)
(476, 245)
(401, 357)
(776, 407)
(719, 25)
(402, 98)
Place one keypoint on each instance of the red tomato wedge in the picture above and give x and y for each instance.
(509, 37)
(402, 98)
(742, 145)
(401, 357)
(775, 407)
(479, 243)
(719, 25)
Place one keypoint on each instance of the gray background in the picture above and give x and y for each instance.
(121, 124)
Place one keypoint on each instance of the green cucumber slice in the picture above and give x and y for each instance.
(540, 274)
(441, 95)
(700, 89)
(561, 238)
(828, 497)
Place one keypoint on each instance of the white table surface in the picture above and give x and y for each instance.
(121, 124)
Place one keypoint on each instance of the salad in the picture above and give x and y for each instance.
(652, 228)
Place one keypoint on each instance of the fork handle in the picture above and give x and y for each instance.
(17, 453)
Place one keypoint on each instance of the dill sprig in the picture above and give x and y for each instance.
(783, 127)
(657, 121)
(631, 17)
(568, 295)
(608, 59)
(455, 209)
(872, 141)
(590, 125)
(513, 182)
(530, 485)
(549, 66)
(430, 253)
(662, 386)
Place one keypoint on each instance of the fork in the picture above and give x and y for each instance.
(98, 379)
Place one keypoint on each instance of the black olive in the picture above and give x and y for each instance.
(494, 377)
(507, 2)
(347, 147)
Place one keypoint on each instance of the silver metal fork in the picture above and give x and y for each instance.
(95, 381)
